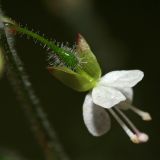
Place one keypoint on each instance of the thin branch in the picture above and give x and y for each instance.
(45, 134)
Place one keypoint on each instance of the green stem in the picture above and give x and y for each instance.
(36, 36)
(66, 56)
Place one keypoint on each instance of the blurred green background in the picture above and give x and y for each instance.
(123, 35)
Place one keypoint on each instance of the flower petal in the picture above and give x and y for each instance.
(107, 97)
(122, 79)
(95, 117)
(124, 105)
(128, 92)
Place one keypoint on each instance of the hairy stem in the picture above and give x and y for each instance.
(66, 55)
(30, 103)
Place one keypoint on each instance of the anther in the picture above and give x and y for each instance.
(128, 131)
(135, 135)
(144, 115)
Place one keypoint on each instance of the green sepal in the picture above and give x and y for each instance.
(78, 81)
(89, 62)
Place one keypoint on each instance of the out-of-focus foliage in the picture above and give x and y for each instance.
(1, 62)
(7, 155)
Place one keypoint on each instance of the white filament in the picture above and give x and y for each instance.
(144, 115)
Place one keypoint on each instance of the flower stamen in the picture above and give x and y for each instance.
(132, 126)
(132, 136)
(144, 115)
(142, 137)
(135, 135)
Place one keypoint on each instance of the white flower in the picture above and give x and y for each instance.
(114, 92)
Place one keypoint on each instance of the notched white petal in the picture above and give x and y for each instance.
(95, 117)
(107, 97)
(122, 79)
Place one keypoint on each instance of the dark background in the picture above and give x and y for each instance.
(123, 35)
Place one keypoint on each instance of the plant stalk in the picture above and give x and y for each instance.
(44, 133)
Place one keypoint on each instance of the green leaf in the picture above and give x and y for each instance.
(89, 62)
(78, 81)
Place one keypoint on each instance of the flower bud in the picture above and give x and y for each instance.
(85, 75)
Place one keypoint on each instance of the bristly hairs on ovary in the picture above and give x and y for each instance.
(58, 54)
